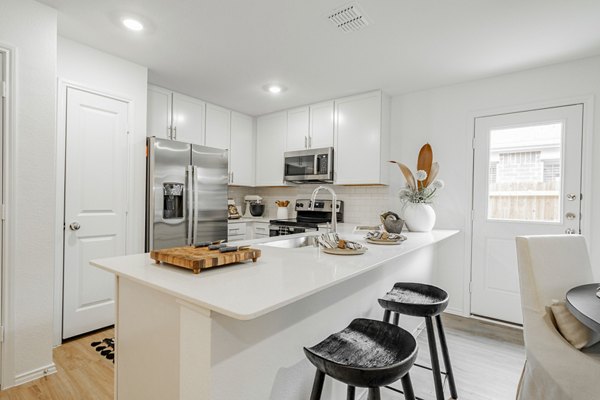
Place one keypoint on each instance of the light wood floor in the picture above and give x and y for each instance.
(487, 361)
(82, 374)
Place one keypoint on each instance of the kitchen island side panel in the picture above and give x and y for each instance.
(263, 359)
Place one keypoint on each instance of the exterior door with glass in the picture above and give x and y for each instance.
(527, 181)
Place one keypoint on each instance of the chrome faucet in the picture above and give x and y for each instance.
(333, 205)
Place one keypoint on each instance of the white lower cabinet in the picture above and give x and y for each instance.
(362, 139)
(236, 231)
(261, 230)
(270, 146)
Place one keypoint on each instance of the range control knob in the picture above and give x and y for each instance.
(300, 205)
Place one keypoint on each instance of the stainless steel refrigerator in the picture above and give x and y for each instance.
(186, 194)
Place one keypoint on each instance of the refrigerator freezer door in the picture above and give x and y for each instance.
(167, 208)
(210, 178)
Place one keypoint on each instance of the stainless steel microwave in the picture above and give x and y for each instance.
(308, 166)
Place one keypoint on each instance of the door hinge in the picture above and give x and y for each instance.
(3, 212)
(4, 89)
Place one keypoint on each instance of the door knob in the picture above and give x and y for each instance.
(74, 226)
(571, 196)
(570, 231)
(570, 216)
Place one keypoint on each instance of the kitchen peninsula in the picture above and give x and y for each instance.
(237, 332)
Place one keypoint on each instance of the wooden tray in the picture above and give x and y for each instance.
(201, 258)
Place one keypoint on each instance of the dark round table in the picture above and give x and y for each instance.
(585, 305)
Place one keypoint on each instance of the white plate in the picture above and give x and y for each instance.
(345, 252)
(381, 241)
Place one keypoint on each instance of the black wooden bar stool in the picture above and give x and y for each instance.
(421, 300)
(368, 354)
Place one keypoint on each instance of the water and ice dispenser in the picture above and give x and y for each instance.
(173, 200)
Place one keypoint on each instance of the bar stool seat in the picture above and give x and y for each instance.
(428, 301)
(367, 353)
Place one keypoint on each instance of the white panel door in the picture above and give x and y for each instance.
(321, 125)
(358, 139)
(270, 143)
(95, 207)
(188, 119)
(527, 181)
(241, 154)
(159, 112)
(297, 129)
(218, 127)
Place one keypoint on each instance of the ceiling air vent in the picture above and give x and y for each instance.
(349, 18)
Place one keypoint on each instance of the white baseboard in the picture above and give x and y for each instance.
(35, 374)
(455, 311)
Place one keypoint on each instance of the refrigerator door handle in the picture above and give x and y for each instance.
(196, 203)
(189, 177)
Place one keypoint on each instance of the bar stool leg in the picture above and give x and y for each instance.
(407, 388)
(386, 316)
(435, 363)
(351, 393)
(317, 386)
(374, 394)
(396, 318)
(446, 356)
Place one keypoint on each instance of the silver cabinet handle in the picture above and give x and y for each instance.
(305, 142)
(231, 176)
(310, 142)
(571, 196)
(570, 231)
(74, 226)
(174, 133)
(571, 216)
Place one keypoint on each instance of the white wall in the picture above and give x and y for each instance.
(444, 118)
(94, 70)
(99, 71)
(29, 28)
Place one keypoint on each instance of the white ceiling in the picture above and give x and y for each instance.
(224, 51)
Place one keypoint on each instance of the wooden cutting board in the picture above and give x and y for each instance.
(201, 258)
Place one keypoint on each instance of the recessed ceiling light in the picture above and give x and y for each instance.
(133, 24)
(274, 88)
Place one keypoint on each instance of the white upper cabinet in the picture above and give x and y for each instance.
(241, 153)
(321, 125)
(270, 146)
(188, 119)
(362, 139)
(160, 107)
(297, 129)
(217, 126)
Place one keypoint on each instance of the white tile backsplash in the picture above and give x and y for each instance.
(362, 204)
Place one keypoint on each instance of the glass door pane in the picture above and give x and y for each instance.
(525, 173)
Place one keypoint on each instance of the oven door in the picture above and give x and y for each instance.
(314, 165)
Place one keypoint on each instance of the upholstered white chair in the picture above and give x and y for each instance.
(548, 267)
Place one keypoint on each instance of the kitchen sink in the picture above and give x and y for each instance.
(293, 243)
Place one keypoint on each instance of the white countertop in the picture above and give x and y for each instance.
(248, 219)
(280, 276)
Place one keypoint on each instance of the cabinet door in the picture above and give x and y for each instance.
(270, 141)
(241, 153)
(159, 112)
(297, 129)
(188, 119)
(217, 126)
(358, 137)
(321, 125)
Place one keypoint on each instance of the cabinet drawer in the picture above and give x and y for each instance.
(261, 229)
(236, 229)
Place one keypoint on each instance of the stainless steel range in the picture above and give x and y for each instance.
(308, 218)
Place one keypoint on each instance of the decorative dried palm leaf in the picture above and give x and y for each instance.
(435, 169)
(424, 162)
(408, 175)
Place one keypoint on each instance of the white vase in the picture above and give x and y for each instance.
(419, 217)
